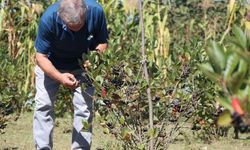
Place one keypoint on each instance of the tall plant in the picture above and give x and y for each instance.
(121, 102)
(19, 25)
(228, 66)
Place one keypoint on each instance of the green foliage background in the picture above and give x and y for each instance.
(177, 33)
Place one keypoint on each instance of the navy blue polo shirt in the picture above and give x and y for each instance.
(63, 46)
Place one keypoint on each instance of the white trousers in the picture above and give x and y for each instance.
(43, 123)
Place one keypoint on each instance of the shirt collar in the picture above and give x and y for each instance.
(60, 21)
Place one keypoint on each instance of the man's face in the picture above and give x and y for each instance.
(75, 27)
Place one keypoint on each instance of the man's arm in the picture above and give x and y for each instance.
(102, 47)
(45, 64)
(101, 32)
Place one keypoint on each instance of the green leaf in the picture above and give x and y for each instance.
(243, 54)
(242, 66)
(141, 146)
(225, 119)
(225, 102)
(245, 92)
(235, 81)
(216, 56)
(238, 46)
(209, 72)
(106, 130)
(122, 120)
(99, 79)
(237, 78)
(128, 71)
(86, 125)
(153, 133)
(240, 36)
(98, 116)
(232, 62)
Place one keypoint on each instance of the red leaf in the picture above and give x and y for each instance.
(236, 106)
(104, 92)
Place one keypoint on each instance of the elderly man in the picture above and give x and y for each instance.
(67, 29)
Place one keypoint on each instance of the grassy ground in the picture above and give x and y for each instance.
(18, 136)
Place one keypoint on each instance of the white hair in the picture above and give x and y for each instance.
(72, 11)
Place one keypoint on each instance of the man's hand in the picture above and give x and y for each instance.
(69, 80)
(101, 47)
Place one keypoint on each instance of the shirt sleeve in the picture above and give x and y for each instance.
(101, 33)
(44, 38)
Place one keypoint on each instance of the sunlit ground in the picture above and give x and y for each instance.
(18, 136)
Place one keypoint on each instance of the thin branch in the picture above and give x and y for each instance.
(145, 70)
(230, 21)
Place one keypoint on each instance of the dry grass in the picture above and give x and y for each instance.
(18, 136)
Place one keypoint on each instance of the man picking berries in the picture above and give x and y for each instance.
(67, 29)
